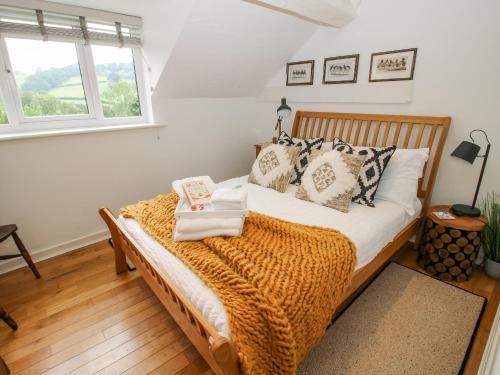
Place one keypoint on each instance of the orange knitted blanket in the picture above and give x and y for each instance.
(279, 283)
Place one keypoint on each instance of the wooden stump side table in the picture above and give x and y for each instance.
(448, 248)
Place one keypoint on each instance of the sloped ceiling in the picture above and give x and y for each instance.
(230, 48)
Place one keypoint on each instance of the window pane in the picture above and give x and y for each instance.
(117, 83)
(3, 114)
(48, 77)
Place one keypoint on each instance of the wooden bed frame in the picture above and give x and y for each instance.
(358, 129)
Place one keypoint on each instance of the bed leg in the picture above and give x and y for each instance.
(120, 259)
(225, 355)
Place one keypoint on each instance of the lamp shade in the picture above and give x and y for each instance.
(467, 151)
(284, 110)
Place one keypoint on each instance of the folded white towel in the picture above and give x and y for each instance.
(200, 225)
(229, 199)
(205, 234)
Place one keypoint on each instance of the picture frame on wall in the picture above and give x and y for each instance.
(300, 73)
(341, 69)
(396, 65)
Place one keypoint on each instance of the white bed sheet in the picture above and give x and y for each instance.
(371, 229)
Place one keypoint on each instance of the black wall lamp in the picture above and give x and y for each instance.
(283, 111)
(469, 151)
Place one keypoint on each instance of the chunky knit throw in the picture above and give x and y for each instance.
(279, 283)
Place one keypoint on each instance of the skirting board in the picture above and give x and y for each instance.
(376, 92)
(490, 364)
(52, 251)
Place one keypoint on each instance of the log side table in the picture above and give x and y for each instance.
(448, 248)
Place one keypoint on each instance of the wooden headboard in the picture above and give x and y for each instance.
(363, 129)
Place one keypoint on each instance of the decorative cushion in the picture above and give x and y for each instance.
(274, 165)
(307, 146)
(376, 161)
(330, 179)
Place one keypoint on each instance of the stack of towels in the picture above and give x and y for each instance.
(223, 216)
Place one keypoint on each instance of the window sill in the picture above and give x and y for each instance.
(71, 131)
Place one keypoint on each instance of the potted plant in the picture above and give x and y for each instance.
(491, 235)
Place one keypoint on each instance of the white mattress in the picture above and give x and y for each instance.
(369, 228)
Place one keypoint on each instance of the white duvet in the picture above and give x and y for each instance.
(371, 229)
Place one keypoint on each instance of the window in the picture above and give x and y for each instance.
(49, 83)
(3, 114)
(63, 71)
(116, 80)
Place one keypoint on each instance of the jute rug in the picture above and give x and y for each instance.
(404, 323)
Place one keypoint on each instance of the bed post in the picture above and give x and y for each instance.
(120, 259)
(225, 355)
(296, 124)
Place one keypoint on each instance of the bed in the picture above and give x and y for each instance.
(196, 308)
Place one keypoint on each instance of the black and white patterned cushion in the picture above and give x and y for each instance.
(376, 161)
(307, 146)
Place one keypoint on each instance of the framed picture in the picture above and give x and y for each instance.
(300, 73)
(393, 65)
(341, 69)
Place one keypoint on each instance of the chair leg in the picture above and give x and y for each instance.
(25, 254)
(4, 370)
(4, 315)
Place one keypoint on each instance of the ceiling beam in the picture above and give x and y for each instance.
(336, 13)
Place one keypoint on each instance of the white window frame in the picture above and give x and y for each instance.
(18, 123)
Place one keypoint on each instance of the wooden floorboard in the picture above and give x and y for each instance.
(82, 318)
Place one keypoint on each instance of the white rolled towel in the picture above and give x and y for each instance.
(185, 225)
(229, 199)
(195, 236)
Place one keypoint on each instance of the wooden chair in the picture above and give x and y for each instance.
(5, 232)
(4, 315)
(10, 230)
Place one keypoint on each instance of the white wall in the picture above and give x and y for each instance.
(490, 363)
(456, 74)
(52, 187)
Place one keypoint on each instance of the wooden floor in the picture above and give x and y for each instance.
(81, 318)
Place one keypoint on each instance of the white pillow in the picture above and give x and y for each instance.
(326, 146)
(399, 183)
